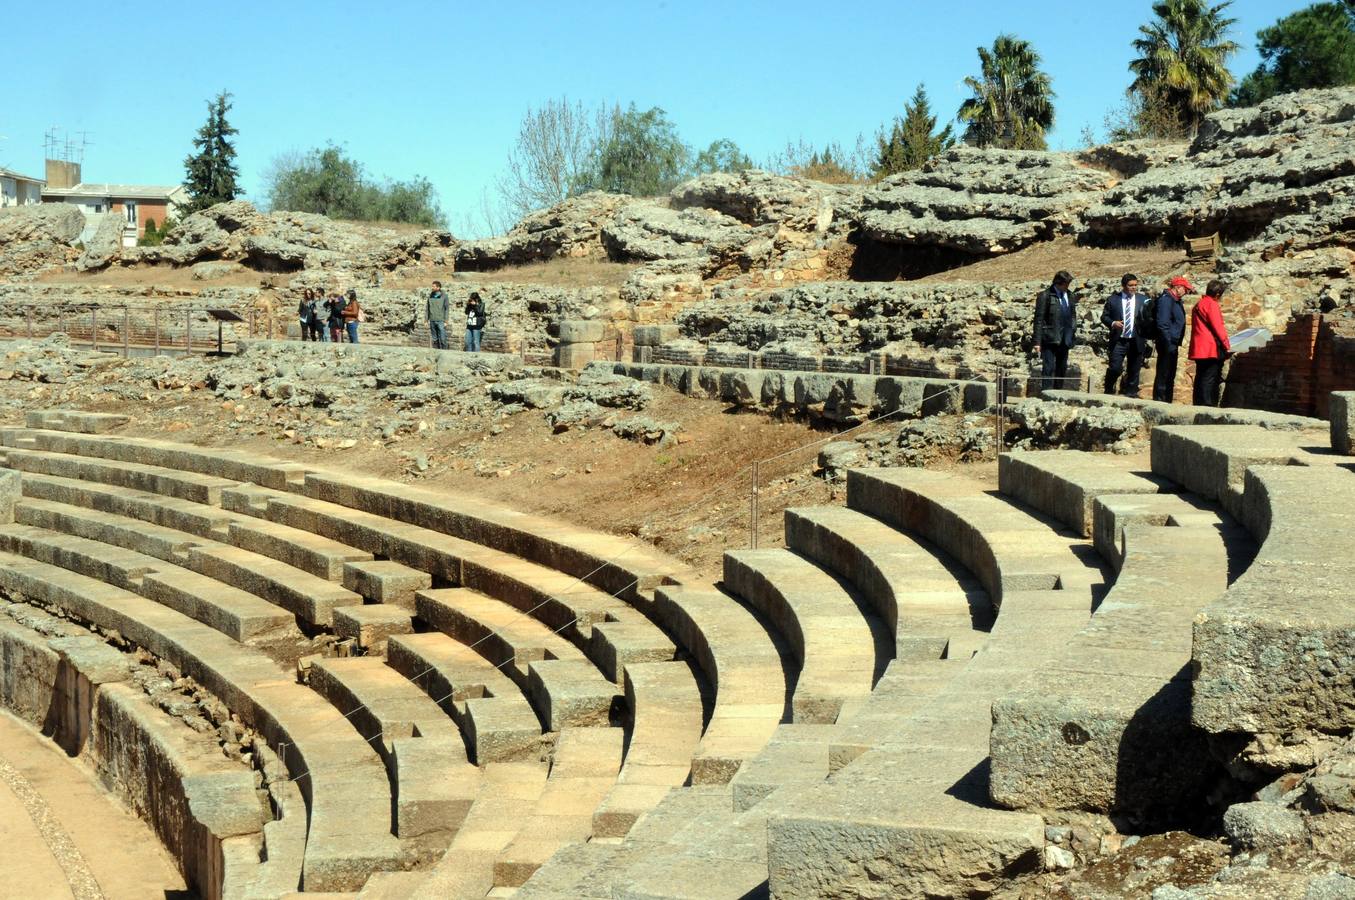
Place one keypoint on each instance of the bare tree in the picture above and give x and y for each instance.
(556, 150)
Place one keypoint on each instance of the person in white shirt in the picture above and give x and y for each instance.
(1123, 315)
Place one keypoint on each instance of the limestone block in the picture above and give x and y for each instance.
(74, 420)
(11, 492)
(383, 581)
(372, 625)
(580, 331)
(1259, 826)
(741, 386)
(575, 356)
(1343, 422)
(654, 335)
(431, 796)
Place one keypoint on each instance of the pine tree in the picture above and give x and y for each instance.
(912, 140)
(210, 174)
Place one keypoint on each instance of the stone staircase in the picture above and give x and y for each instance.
(513, 706)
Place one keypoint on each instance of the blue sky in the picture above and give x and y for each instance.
(438, 89)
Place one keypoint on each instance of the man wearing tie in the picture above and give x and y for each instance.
(1123, 311)
(1055, 330)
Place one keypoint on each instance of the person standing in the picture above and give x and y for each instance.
(1209, 345)
(305, 313)
(1122, 316)
(1055, 330)
(436, 310)
(335, 306)
(1170, 315)
(475, 322)
(352, 315)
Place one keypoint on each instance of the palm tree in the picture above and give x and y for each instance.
(1013, 103)
(1183, 60)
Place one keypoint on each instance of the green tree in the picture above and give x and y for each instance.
(329, 182)
(722, 156)
(912, 140)
(210, 173)
(1312, 48)
(150, 236)
(1013, 102)
(1182, 62)
(643, 155)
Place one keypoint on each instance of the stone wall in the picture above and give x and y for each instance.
(1297, 371)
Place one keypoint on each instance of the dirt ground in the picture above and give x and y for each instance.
(1040, 261)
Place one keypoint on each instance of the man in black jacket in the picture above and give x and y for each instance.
(1170, 313)
(1123, 316)
(1055, 330)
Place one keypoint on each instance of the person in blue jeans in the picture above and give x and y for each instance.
(475, 322)
(352, 315)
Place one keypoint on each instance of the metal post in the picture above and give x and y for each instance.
(126, 332)
(753, 508)
(157, 331)
(94, 327)
(997, 428)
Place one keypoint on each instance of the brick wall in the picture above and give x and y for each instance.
(1297, 370)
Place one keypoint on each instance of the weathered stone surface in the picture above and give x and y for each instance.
(38, 236)
(1130, 158)
(982, 202)
(572, 228)
(104, 245)
(1342, 408)
(757, 198)
(643, 232)
(1039, 424)
(1278, 171)
(1258, 826)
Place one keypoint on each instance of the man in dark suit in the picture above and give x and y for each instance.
(1123, 315)
(1055, 330)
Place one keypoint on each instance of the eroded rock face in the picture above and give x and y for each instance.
(1278, 172)
(572, 229)
(287, 242)
(711, 240)
(982, 202)
(757, 198)
(37, 237)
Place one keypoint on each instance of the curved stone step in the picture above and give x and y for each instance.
(743, 666)
(231, 465)
(1106, 725)
(1064, 484)
(558, 600)
(189, 486)
(235, 613)
(1212, 460)
(503, 635)
(1001, 544)
(838, 644)
(1270, 655)
(431, 779)
(311, 599)
(927, 598)
(665, 711)
(169, 512)
(340, 776)
(583, 771)
(494, 715)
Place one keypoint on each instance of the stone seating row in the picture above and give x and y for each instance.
(202, 807)
(340, 777)
(615, 564)
(625, 640)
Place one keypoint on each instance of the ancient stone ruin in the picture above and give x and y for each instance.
(1009, 639)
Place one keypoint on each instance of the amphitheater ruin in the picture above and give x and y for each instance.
(306, 619)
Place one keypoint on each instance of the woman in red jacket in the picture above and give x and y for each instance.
(1209, 345)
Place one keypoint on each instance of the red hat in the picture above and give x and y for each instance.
(1179, 281)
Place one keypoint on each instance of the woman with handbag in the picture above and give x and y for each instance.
(1209, 345)
(352, 315)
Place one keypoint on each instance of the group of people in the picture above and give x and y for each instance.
(1138, 327)
(438, 309)
(330, 318)
(337, 316)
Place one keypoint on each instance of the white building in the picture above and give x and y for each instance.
(19, 190)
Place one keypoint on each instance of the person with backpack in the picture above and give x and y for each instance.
(352, 314)
(1168, 316)
(436, 310)
(475, 322)
(1055, 330)
(1123, 315)
(1209, 345)
(334, 305)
